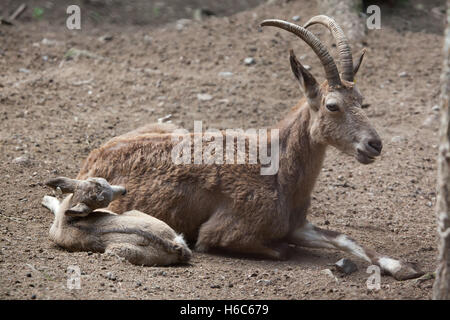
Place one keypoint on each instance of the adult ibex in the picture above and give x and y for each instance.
(233, 206)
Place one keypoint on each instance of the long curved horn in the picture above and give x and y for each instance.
(331, 71)
(345, 53)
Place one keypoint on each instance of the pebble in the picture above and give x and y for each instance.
(165, 119)
(329, 273)
(180, 24)
(204, 97)
(111, 276)
(431, 121)
(397, 139)
(105, 38)
(346, 266)
(22, 160)
(49, 42)
(402, 74)
(264, 282)
(296, 18)
(249, 61)
(225, 74)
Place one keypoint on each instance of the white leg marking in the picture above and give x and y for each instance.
(311, 237)
(180, 240)
(306, 235)
(343, 242)
(390, 264)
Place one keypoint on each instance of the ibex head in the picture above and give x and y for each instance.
(88, 195)
(337, 117)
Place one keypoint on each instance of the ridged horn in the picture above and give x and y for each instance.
(345, 52)
(331, 71)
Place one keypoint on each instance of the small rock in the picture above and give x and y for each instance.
(296, 18)
(165, 119)
(264, 282)
(253, 274)
(431, 121)
(402, 74)
(249, 61)
(435, 108)
(225, 74)
(75, 53)
(180, 24)
(24, 70)
(49, 42)
(215, 286)
(329, 273)
(200, 13)
(346, 266)
(105, 38)
(111, 276)
(204, 97)
(398, 139)
(22, 160)
(307, 67)
(33, 296)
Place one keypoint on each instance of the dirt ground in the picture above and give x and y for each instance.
(56, 106)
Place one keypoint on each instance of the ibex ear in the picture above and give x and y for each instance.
(358, 61)
(65, 184)
(307, 81)
(80, 210)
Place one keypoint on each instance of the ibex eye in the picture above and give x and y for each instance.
(332, 107)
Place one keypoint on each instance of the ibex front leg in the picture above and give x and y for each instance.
(312, 236)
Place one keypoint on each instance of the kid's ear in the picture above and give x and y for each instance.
(66, 185)
(79, 210)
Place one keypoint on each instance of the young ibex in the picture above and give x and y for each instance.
(80, 225)
(233, 206)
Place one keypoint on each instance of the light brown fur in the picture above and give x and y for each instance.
(133, 235)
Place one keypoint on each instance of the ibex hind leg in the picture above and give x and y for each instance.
(224, 231)
(253, 249)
